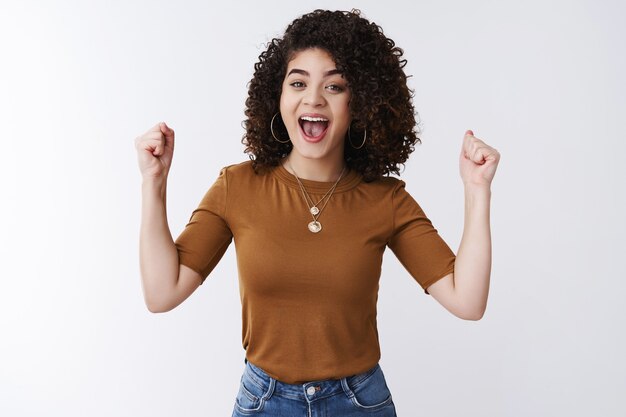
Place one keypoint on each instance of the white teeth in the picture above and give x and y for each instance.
(314, 119)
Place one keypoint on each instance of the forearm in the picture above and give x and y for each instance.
(157, 253)
(472, 267)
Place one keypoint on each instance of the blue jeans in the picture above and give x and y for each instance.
(364, 394)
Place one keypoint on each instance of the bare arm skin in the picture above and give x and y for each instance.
(464, 293)
(165, 282)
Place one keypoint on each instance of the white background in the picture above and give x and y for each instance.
(541, 81)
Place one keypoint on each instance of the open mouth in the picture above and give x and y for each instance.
(313, 127)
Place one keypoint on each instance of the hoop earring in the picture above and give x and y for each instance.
(272, 130)
(350, 138)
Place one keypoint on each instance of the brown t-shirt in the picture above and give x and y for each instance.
(309, 299)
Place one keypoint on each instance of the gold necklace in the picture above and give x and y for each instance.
(315, 226)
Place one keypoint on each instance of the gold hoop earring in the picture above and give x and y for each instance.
(272, 130)
(350, 138)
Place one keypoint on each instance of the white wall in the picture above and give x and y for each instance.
(540, 81)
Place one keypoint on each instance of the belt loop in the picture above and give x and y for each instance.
(346, 387)
(270, 389)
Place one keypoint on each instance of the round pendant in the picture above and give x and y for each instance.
(314, 210)
(315, 226)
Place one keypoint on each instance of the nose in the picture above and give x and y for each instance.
(314, 98)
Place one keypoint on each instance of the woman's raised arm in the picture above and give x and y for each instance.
(165, 282)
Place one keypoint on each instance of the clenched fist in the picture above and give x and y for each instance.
(155, 150)
(477, 161)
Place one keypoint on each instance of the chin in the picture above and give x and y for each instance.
(310, 154)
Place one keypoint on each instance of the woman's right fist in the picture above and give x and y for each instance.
(155, 150)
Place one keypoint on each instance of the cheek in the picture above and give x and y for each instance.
(346, 108)
(286, 103)
(345, 116)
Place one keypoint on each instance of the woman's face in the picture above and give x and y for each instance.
(314, 106)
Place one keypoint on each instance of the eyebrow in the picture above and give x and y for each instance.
(305, 73)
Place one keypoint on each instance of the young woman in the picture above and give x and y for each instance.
(329, 117)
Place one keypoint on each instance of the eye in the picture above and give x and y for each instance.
(336, 88)
(297, 84)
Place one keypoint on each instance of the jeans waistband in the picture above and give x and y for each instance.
(320, 389)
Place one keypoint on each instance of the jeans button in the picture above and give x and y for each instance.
(310, 390)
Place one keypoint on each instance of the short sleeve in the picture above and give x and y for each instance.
(416, 243)
(205, 238)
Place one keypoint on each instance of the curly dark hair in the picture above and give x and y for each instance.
(372, 65)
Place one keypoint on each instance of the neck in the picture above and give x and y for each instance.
(313, 169)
